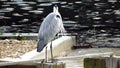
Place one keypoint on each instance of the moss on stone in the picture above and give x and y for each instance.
(94, 63)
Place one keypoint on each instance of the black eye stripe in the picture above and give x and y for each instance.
(57, 16)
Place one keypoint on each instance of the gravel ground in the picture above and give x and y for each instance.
(11, 48)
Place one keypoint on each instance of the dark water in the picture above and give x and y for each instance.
(93, 21)
(26, 16)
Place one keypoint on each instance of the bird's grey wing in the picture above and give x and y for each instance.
(52, 29)
(49, 28)
(41, 35)
(40, 45)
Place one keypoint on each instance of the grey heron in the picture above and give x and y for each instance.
(51, 25)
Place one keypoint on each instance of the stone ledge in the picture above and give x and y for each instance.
(61, 47)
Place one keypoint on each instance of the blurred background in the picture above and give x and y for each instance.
(92, 20)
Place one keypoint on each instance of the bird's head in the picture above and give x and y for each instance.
(56, 12)
(55, 9)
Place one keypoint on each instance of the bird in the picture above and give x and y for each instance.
(49, 28)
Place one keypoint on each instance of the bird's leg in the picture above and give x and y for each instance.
(46, 54)
(51, 52)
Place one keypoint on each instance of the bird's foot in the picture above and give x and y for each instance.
(50, 61)
(44, 61)
(53, 60)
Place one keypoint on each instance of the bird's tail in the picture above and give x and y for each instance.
(40, 46)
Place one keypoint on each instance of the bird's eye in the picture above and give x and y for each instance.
(57, 16)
